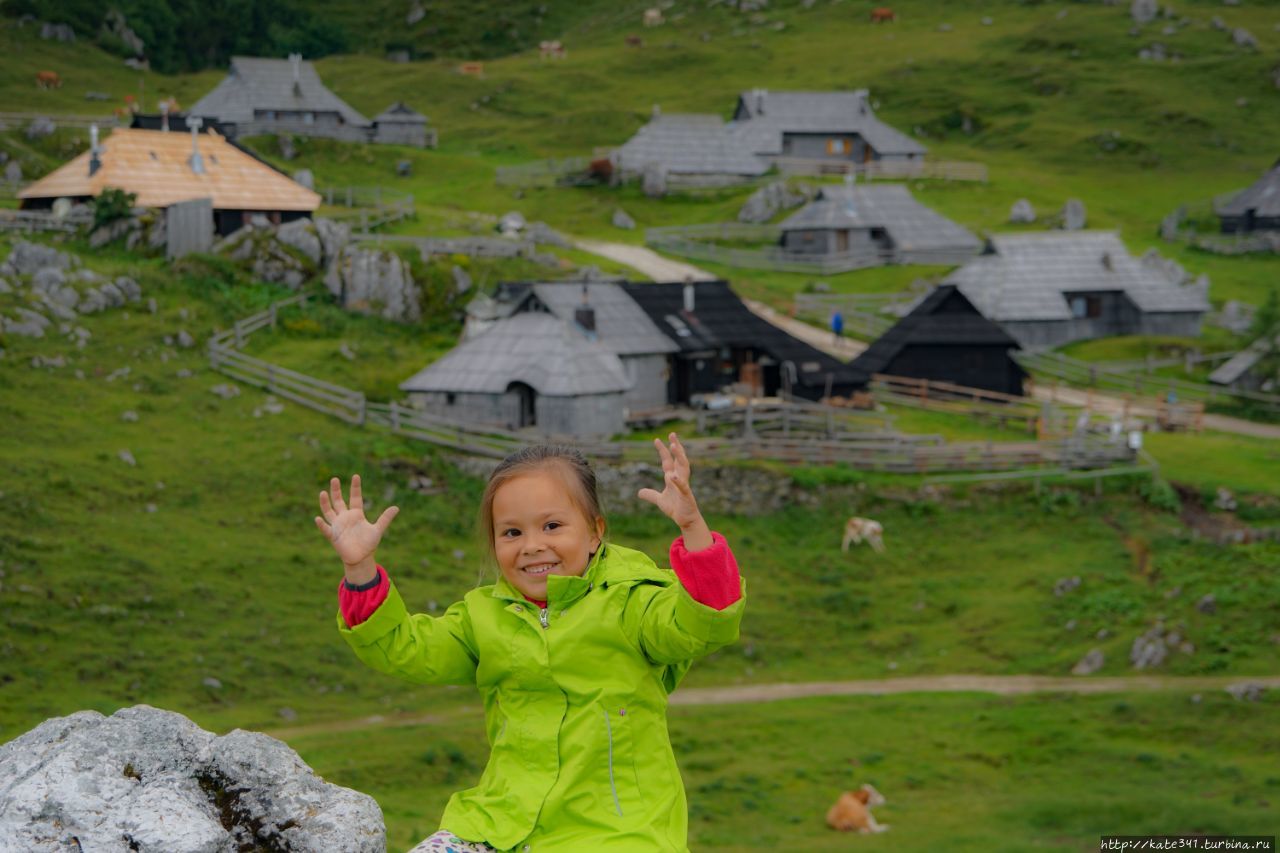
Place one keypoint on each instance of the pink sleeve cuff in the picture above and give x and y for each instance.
(359, 605)
(710, 575)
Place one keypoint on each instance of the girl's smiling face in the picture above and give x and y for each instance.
(539, 530)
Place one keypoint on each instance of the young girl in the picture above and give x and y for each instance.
(574, 649)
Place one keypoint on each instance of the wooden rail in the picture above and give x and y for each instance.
(1100, 376)
(802, 433)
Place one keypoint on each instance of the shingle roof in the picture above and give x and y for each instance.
(890, 206)
(400, 113)
(1263, 197)
(691, 144)
(268, 84)
(541, 350)
(622, 326)
(720, 319)
(764, 115)
(1025, 276)
(944, 317)
(156, 166)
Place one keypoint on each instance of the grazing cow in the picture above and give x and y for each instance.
(634, 41)
(601, 170)
(882, 14)
(471, 69)
(48, 80)
(853, 811)
(552, 50)
(653, 17)
(857, 530)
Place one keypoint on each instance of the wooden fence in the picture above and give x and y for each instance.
(30, 221)
(543, 173)
(698, 242)
(947, 170)
(12, 120)
(799, 434)
(372, 207)
(1094, 375)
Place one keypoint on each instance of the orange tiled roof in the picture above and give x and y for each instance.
(154, 164)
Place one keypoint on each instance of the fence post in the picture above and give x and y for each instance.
(239, 335)
(361, 410)
(748, 428)
(349, 196)
(329, 195)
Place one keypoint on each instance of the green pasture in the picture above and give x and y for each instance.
(964, 772)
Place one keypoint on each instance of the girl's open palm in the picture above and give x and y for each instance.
(346, 528)
(676, 498)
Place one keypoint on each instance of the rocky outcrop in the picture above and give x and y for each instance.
(289, 254)
(152, 781)
(145, 228)
(768, 201)
(370, 281)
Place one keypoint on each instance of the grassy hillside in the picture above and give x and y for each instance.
(135, 583)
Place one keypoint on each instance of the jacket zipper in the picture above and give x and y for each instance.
(542, 615)
(608, 727)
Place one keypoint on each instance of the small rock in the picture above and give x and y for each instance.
(1207, 604)
(459, 554)
(305, 178)
(1065, 585)
(1022, 212)
(1090, 663)
(151, 507)
(151, 305)
(1102, 634)
(1225, 500)
(129, 416)
(344, 350)
(1073, 215)
(127, 458)
(185, 340)
(404, 168)
(212, 683)
(1070, 626)
(288, 714)
(1244, 38)
(1246, 691)
(622, 220)
(226, 391)
(987, 21)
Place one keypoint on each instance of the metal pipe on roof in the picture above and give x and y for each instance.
(95, 163)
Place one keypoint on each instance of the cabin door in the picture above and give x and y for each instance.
(527, 412)
(842, 241)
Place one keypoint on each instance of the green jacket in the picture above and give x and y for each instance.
(575, 700)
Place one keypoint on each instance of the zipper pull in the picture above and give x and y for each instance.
(542, 615)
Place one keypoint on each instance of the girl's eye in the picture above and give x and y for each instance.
(552, 525)
(509, 532)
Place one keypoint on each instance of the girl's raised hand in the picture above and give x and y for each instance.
(676, 498)
(346, 528)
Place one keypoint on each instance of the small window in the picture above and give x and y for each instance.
(1086, 307)
(308, 118)
(837, 146)
(450, 398)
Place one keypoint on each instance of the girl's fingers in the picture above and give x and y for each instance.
(357, 500)
(335, 495)
(385, 519)
(326, 507)
(324, 528)
(652, 496)
(682, 458)
(681, 484)
(667, 462)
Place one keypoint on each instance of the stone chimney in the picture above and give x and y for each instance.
(295, 59)
(95, 163)
(758, 96)
(195, 160)
(585, 316)
(688, 295)
(164, 116)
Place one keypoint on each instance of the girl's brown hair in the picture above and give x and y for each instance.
(565, 461)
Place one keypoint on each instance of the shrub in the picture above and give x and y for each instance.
(112, 204)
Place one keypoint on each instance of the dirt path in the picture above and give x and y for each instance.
(1115, 405)
(647, 261)
(748, 694)
(845, 349)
